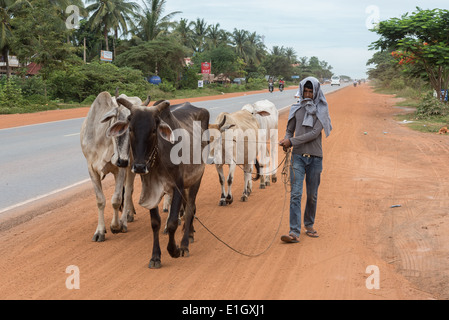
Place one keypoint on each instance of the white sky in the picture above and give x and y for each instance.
(334, 31)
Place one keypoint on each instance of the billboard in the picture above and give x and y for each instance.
(106, 55)
(205, 67)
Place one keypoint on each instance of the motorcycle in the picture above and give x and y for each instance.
(281, 87)
(270, 88)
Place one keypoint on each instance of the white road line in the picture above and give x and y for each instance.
(42, 196)
(71, 135)
(39, 124)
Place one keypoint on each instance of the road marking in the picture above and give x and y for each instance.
(71, 135)
(42, 196)
(39, 124)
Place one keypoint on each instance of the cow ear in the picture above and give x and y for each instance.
(117, 129)
(263, 113)
(109, 115)
(166, 132)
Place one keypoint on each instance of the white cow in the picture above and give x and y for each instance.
(269, 123)
(235, 142)
(104, 155)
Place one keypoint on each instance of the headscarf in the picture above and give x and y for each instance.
(318, 106)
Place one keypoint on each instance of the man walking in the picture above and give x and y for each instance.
(306, 121)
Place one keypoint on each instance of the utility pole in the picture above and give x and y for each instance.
(85, 50)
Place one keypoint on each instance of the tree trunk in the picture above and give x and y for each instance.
(5, 53)
(105, 33)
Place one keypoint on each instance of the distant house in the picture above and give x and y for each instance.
(221, 78)
(14, 65)
(33, 69)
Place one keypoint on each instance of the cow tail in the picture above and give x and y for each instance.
(258, 171)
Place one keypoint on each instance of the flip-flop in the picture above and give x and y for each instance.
(289, 238)
(312, 233)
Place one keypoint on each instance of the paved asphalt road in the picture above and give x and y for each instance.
(42, 159)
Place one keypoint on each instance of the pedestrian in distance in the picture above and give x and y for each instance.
(306, 121)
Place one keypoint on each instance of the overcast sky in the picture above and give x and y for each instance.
(334, 31)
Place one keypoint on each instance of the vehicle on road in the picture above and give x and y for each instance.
(335, 80)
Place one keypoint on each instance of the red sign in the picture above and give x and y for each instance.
(205, 67)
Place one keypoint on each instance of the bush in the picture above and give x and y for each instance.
(167, 87)
(431, 106)
(80, 82)
(11, 95)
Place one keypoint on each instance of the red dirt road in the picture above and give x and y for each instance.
(364, 175)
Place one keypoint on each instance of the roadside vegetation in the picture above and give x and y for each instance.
(145, 40)
(413, 64)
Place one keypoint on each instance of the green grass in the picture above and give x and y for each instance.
(411, 98)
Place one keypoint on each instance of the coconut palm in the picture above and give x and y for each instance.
(242, 46)
(200, 30)
(152, 22)
(258, 47)
(6, 34)
(111, 14)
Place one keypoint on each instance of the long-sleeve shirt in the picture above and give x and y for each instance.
(305, 139)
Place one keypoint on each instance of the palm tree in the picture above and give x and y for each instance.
(200, 31)
(183, 32)
(111, 14)
(241, 45)
(152, 22)
(6, 34)
(255, 41)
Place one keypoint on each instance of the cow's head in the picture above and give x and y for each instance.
(217, 145)
(120, 158)
(145, 127)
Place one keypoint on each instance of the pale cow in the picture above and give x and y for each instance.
(269, 123)
(104, 155)
(237, 147)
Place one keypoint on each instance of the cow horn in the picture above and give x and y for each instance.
(147, 102)
(125, 103)
(162, 105)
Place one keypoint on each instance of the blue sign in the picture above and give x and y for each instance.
(155, 80)
(444, 95)
(295, 77)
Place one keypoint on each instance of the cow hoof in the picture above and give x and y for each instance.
(262, 186)
(174, 252)
(155, 264)
(185, 252)
(130, 217)
(98, 237)
(274, 179)
(244, 198)
(116, 230)
(229, 201)
(222, 203)
(267, 183)
(191, 239)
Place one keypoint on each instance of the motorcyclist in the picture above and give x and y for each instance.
(281, 84)
(270, 84)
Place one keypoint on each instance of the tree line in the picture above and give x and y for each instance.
(143, 38)
(413, 51)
